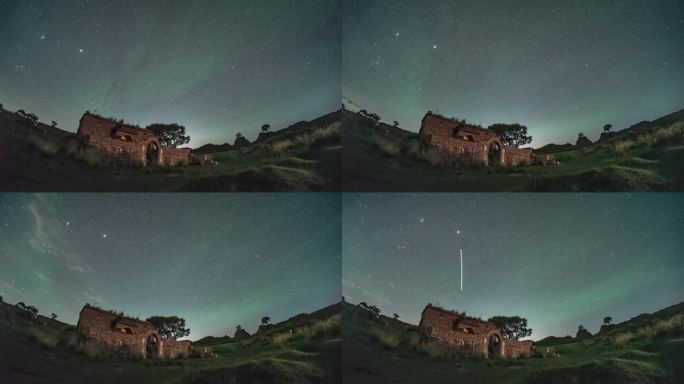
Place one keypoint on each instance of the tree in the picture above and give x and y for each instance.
(53, 123)
(53, 316)
(607, 128)
(395, 316)
(363, 112)
(21, 112)
(238, 135)
(374, 311)
(265, 320)
(511, 327)
(607, 320)
(169, 327)
(169, 135)
(512, 135)
(265, 128)
(395, 124)
(580, 135)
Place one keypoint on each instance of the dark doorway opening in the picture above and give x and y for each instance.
(494, 155)
(152, 347)
(494, 346)
(152, 154)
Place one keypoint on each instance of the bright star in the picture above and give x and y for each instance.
(42, 37)
(80, 50)
(434, 46)
(104, 235)
(396, 34)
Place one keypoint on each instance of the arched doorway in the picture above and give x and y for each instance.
(494, 345)
(152, 153)
(494, 153)
(151, 346)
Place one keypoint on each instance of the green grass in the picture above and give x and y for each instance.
(43, 159)
(385, 350)
(377, 159)
(33, 352)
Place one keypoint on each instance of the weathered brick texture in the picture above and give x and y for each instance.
(469, 334)
(471, 143)
(108, 330)
(128, 144)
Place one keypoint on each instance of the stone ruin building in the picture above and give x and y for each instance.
(127, 143)
(471, 143)
(470, 334)
(111, 331)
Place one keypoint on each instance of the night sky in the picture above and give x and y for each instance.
(218, 67)
(559, 260)
(217, 260)
(559, 67)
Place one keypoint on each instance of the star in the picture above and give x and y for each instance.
(396, 34)
(434, 46)
(42, 37)
(80, 50)
(421, 220)
(458, 231)
(67, 223)
(104, 235)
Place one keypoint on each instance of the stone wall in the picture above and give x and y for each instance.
(127, 144)
(517, 349)
(172, 157)
(110, 331)
(469, 334)
(470, 143)
(518, 156)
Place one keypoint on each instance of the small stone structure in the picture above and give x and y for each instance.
(471, 143)
(127, 143)
(472, 335)
(108, 330)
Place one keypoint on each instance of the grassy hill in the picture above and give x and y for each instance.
(645, 157)
(304, 350)
(305, 157)
(387, 350)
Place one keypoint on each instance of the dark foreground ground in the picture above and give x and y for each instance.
(305, 157)
(647, 349)
(646, 157)
(44, 351)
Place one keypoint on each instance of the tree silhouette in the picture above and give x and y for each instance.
(238, 135)
(53, 316)
(395, 316)
(363, 112)
(580, 135)
(607, 128)
(265, 128)
(53, 123)
(265, 320)
(169, 135)
(395, 124)
(511, 327)
(607, 320)
(512, 135)
(169, 327)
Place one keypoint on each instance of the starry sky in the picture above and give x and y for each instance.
(559, 260)
(217, 260)
(218, 67)
(558, 67)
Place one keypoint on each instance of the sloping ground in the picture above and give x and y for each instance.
(33, 352)
(43, 158)
(385, 350)
(377, 158)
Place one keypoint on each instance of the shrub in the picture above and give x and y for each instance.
(281, 339)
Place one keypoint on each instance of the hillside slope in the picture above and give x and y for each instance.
(42, 158)
(381, 158)
(37, 351)
(387, 350)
